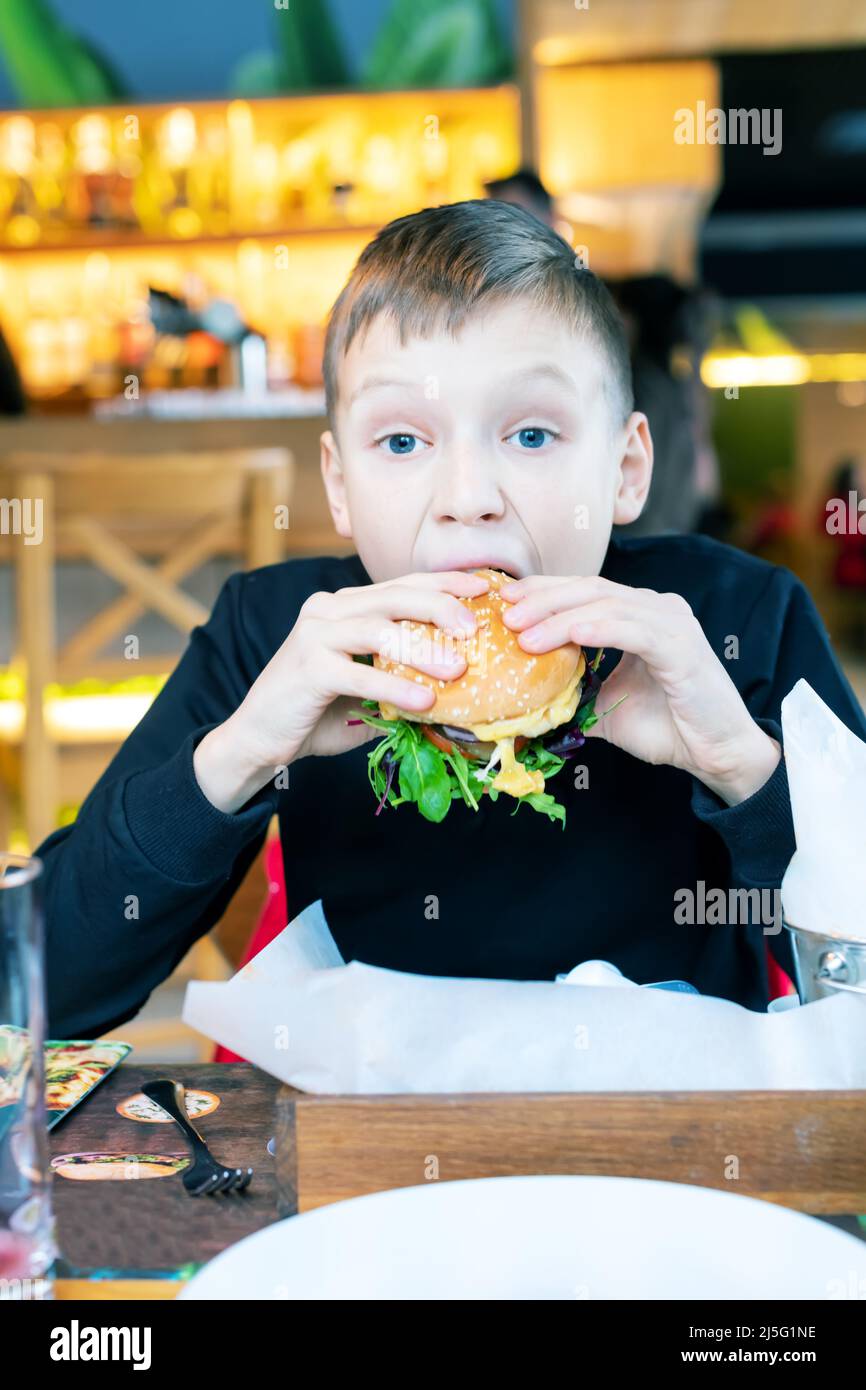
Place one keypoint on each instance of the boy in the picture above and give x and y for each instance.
(479, 398)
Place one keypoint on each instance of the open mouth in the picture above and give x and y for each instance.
(511, 570)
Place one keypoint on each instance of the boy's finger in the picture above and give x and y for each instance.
(557, 595)
(516, 589)
(368, 683)
(437, 606)
(602, 624)
(401, 600)
(371, 636)
(463, 583)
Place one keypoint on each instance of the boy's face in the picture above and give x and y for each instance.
(497, 447)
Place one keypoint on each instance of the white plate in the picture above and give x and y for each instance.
(554, 1237)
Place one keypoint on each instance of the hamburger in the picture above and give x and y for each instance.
(96, 1167)
(502, 728)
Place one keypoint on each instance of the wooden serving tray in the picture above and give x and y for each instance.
(803, 1149)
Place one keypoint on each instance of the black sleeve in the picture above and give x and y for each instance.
(149, 865)
(783, 640)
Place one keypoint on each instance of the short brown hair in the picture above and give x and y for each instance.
(429, 270)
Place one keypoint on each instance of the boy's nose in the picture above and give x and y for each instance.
(466, 490)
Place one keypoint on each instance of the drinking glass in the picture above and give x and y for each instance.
(27, 1248)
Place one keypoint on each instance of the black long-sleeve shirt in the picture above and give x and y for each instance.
(150, 864)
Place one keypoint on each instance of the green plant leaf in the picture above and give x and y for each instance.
(542, 801)
(438, 43)
(310, 54)
(49, 65)
(461, 771)
(424, 779)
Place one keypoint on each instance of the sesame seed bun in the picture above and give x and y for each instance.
(501, 681)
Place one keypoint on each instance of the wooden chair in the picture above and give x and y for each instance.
(147, 521)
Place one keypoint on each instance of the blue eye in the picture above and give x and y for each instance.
(533, 437)
(400, 443)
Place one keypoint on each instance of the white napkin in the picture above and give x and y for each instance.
(299, 1013)
(824, 889)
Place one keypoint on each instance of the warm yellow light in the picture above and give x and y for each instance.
(92, 139)
(556, 50)
(784, 369)
(88, 711)
(79, 718)
(721, 369)
(184, 222)
(83, 717)
(590, 139)
(837, 366)
(17, 145)
(177, 137)
(297, 160)
(22, 230)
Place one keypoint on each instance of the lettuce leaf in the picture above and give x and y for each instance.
(432, 779)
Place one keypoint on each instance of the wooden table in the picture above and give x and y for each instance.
(806, 1150)
(152, 1225)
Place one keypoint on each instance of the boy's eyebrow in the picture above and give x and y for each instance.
(375, 383)
(546, 370)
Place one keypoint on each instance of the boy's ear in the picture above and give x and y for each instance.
(635, 470)
(335, 484)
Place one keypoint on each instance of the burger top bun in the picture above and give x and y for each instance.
(501, 680)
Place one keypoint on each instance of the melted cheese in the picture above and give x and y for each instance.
(513, 778)
(534, 722)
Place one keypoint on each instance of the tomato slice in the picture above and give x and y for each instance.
(440, 741)
(447, 746)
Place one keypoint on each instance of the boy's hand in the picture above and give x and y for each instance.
(682, 709)
(301, 701)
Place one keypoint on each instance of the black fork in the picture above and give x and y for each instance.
(204, 1176)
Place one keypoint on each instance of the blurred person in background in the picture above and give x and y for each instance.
(12, 401)
(774, 531)
(525, 190)
(667, 329)
(848, 564)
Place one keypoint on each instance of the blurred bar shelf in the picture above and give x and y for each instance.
(112, 240)
(265, 203)
(291, 404)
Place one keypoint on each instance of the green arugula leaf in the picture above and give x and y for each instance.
(461, 770)
(432, 779)
(536, 757)
(424, 779)
(542, 801)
